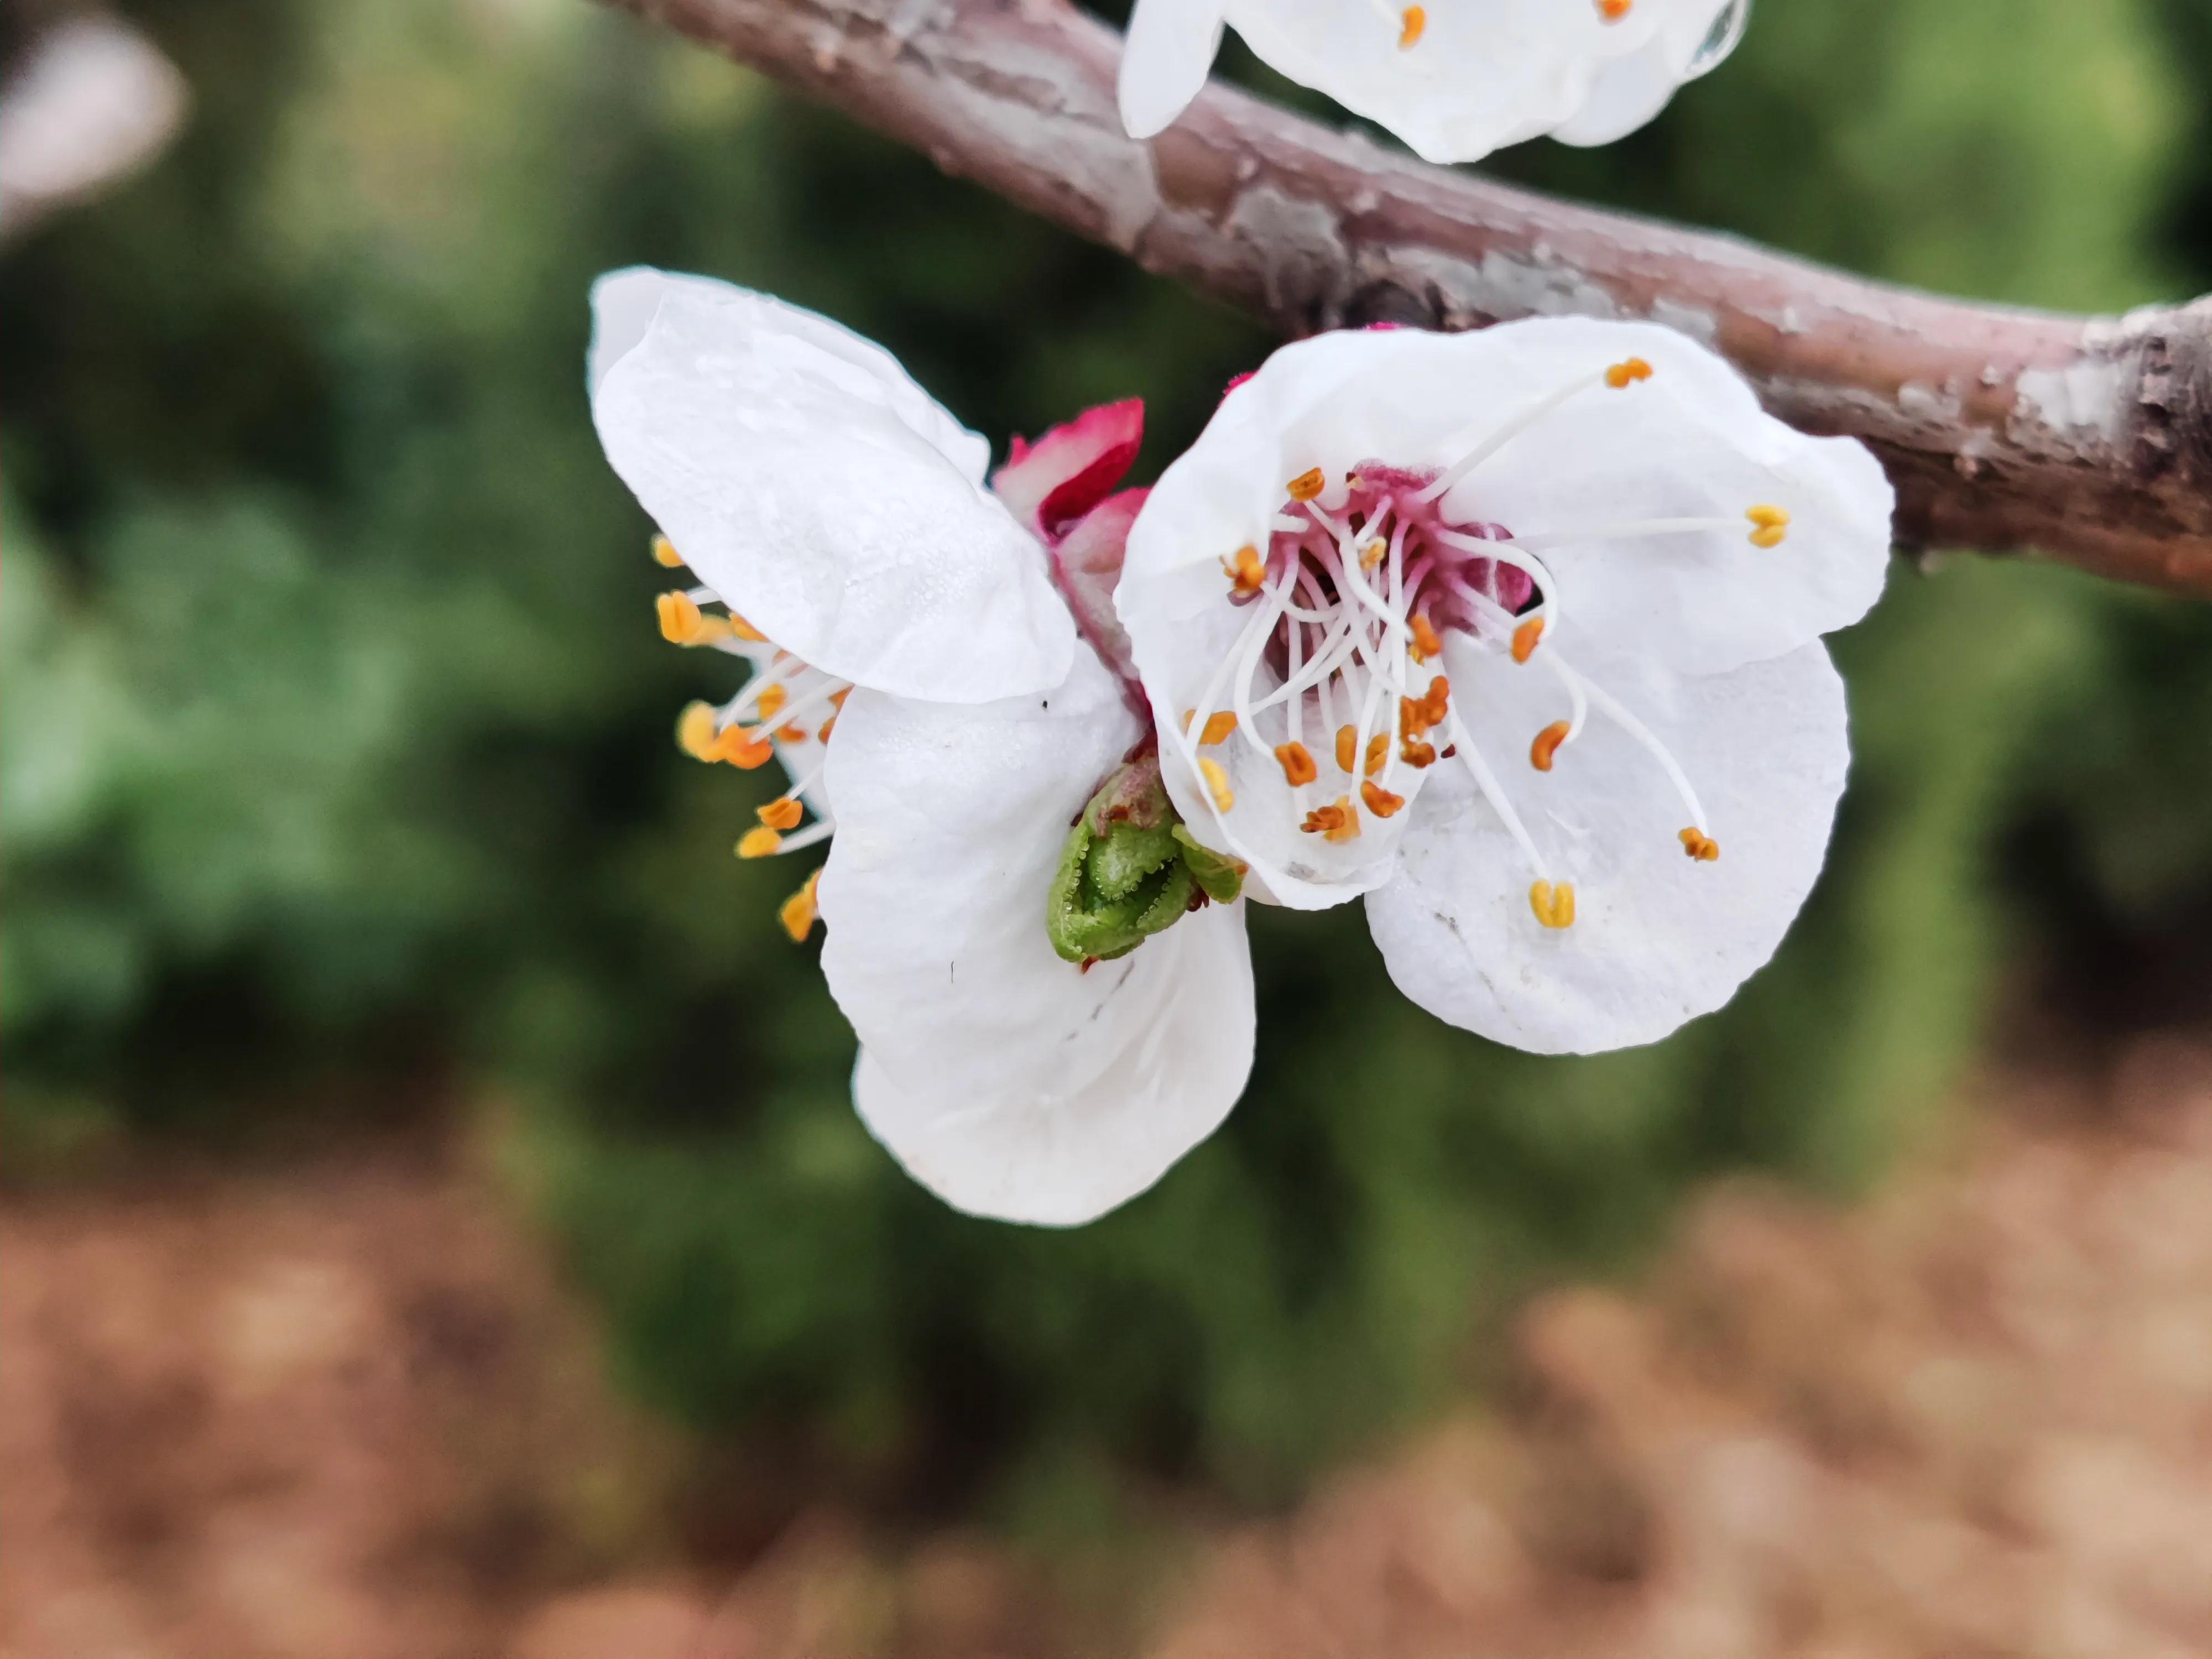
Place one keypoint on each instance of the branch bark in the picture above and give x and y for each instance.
(2087, 438)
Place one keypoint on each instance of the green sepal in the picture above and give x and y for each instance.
(1129, 869)
(1218, 876)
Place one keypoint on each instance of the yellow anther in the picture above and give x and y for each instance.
(1380, 801)
(1378, 750)
(1372, 556)
(1554, 905)
(1525, 638)
(746, 630)
(1629, 370)
(758, 843)
(1247, 571)
(772, 696)
(783, 813)
(794, 733)
(1337, 823)
(1347, 747)
(1546, 744)
(1297, 762)
(1613, 11)
(1700, 845)
(1427, 644)
(1418, 754)
(1771, 525)
(1308, 484)
(680, 621)
(665, 553)
(1410, 23)
(1418, 714)
(796, 913)
(1217, 726)
(1217, 784)
(746, 748)
(823, 736)
(695, 733)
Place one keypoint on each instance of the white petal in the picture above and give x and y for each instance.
(820, 492)
(1692, 442)
(1009, 1082)
(1164, 60)
(1658, 939)
(1484, 73)
(1627, 92)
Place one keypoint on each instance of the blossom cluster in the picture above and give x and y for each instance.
(1513, 635)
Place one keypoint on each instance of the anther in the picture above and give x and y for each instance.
(1347, 747)
(1525, 638)
(1380, 801)
(1427, 645)
(796, 913)
(1297, 762)
(758, 843)
(1613, 11)
(745, 630)
(680, 621)
(745, 748)
(1308, 484)
(837, 697)
(1546, 744)
(1337, 824)
(1771, 526)
(1247, 571)
(783, 813)
(1554, 905)
(828, 725)
(1418, 754)
(665, 553)
(793, 733)
(1411, 26)
(1218, 725)
(1217, 784)
(1629, 370)
(1372, 556)
(1700, 845)
(695, 733)
(772, 696)
(1378, 751)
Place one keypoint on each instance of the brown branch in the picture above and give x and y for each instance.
(2087, 438)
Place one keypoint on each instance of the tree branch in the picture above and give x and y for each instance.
(2089, 438)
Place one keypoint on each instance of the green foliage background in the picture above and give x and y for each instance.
(334, 745)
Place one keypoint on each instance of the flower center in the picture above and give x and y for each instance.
(786, 709)
(1362, 591)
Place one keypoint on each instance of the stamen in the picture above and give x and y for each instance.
(792, 733)
(1372, 556)
(745, 631)
(1347, 747)
(1335, 824)
(1635, 728)
(1547, 744)
(1626, 372)
(1410, 27)
(1217, 784)
(1378, 750)
(1380, 801)
(1426, 644)
(1298, 768)
(680, 621)
(1418, 754)
(695, 733)
(665, 553)
(772, 696)
(796, 913)
(745, 747)
(1307, 485)
(1613, 11)
(1699, 845)
(1773, 524)
(1486, 781)
(823, 736)
(1554, 905)
(1247, 571)
(1504, 433)
(1218, 724)
(783, 813)
(1525, 638)
(759, 843)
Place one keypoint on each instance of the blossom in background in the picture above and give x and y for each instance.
(1456, 79)
(945, 715)
(1517, 634)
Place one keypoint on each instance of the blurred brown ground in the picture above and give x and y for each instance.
(343, 1410)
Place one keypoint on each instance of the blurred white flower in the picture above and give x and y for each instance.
(940, 713)
(93, 101)
(1513, 632)
(1456, 79)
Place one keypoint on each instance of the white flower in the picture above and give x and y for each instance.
(1456, 79)
(938, 712)
(1516, 633)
